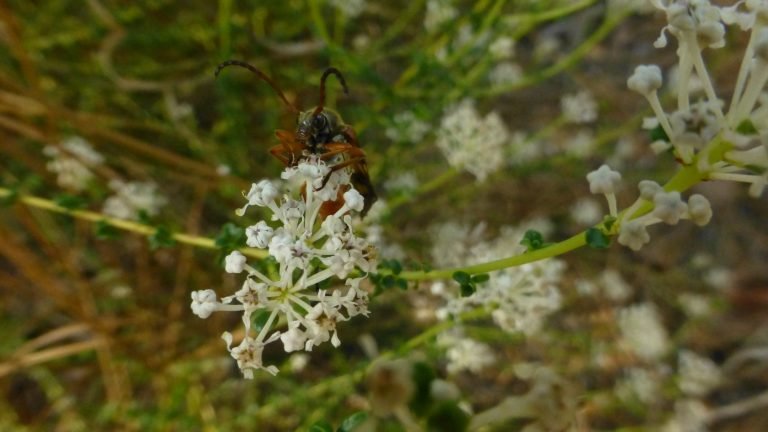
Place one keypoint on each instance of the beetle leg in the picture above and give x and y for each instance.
(360, 161)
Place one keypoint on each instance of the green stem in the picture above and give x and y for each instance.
(319, 22)
(125, 225)
(684, 179)
(394, 29)
(552, 14)
(225, 38)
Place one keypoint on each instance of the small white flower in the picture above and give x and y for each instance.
(649, 189)
(633, 235)
(645, 80)
(261, 194)
(259, 235)
(132, 198)
(322, 327)
(234, 262)
(669, 207)
(354, 200)
(248, 355)
(699, 209)
(293, 340)
(73, 166)
(204, 303)
(604, 180)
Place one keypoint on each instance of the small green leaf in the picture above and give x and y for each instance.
(402, 284)
(389, 281)
(350, 423)
(69, 202)
(106, 231)
(609, 221)
(144, 217)
(596, 239)
(658, 134)
(395, 266)
(532, 240)
(230, 237)
(462, 277)
(259, 319)
(480, 278)
(161, 238)
(747, 128)
(321, 426)
(467, 289)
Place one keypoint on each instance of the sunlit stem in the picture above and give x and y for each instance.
(757, 79)
(653, 99)
(746, 60)
(703, 74)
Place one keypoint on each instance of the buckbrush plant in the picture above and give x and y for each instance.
(492, 132)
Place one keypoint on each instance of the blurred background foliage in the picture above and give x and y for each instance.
(95, 328)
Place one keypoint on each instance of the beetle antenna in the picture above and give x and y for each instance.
(329, 71)
(261, 75)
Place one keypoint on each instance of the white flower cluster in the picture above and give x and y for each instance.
(519, 298)
(579, 107)
(438, 12)
(464, 353)
(131, 198)
(503, 47)
(310, 248)
(505, 73)
(738, 136)
(642, 331)
(407, 128)
(638, 384)
(668, 207)
(350, 8)
(698, 375)
(472, 142)
(72, 165)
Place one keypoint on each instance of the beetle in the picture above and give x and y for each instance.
(319, 131)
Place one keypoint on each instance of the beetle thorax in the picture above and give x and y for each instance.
(314, 130)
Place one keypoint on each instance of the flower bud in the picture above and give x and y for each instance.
(645, 80)
(604, 180)
(699, 209)
(234, 262)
